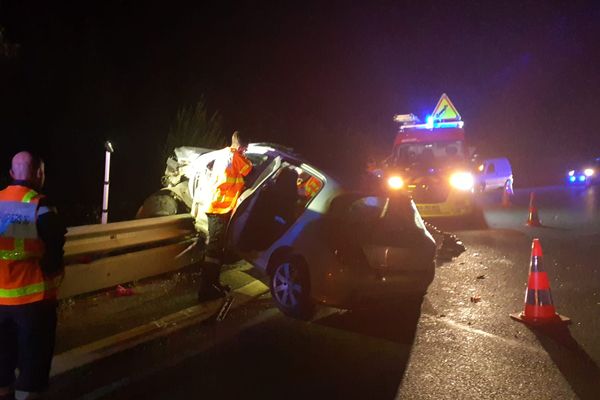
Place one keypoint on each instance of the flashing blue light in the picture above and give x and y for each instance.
(432, 123)
(581, 178)
(429, 121)
(571, 179)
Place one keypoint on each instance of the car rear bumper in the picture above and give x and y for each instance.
(394, 286)
(382, 277)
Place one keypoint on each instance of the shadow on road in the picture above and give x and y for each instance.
(359, 354)
(393, 322)
(578, 368)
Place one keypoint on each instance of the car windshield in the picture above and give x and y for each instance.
(429, 153)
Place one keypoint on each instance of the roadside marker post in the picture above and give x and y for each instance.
(108, 147)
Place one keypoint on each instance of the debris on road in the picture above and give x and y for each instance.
(121, 291)
(449, 246)
(222, 313)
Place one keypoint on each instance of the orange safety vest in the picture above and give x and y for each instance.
(229, 182)
(312, 187)
(21, 278)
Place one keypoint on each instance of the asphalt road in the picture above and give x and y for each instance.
(458, 342)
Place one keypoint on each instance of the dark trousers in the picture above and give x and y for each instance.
(215, 248)
(27, 334)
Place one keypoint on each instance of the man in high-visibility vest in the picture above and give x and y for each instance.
(31, 268)
(308, 186)
(226, 182)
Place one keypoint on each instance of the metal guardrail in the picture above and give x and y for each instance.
(102, 256)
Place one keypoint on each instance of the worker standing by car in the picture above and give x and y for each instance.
(309, 186)
(31, 268)
(226, 183)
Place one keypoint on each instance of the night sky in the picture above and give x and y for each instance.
(323, 77)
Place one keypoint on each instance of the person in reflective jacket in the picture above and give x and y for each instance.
(226, 181)
(31, 268)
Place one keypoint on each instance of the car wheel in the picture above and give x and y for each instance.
(290, 288)
(159, 204)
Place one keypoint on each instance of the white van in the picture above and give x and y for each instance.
(494, 173)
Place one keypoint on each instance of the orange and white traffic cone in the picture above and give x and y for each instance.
(539, 308)
(506, 193)
(533, 219)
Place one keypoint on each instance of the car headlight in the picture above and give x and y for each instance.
(588, 172)
(572, 172)
(395, 182)
(462, 181)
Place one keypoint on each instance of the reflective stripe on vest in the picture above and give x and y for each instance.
(18, 222)
(35, 288)
(232, 180)
(229, 182)
(21, 278)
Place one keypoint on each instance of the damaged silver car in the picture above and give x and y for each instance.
(317, 238)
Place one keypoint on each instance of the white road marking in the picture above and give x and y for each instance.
(467, 328)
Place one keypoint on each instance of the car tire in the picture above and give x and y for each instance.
(290, 288)
(159, 204)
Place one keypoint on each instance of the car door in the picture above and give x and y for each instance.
(491, 175)
(247, 203)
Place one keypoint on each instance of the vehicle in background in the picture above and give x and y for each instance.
(315, 237)
(494, 173)
(431, 162)
(584, 175)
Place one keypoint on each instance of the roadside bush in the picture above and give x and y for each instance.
(194, 126)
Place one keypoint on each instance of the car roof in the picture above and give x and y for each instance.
(288, 154)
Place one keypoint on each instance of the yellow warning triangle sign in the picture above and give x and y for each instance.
(445, 110)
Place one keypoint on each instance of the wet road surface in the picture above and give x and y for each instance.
(458, 342)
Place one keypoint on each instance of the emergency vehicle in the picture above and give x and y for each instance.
(432, 162)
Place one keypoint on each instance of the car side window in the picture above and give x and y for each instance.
(491, 169)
